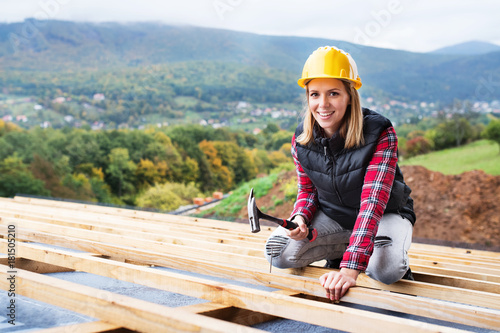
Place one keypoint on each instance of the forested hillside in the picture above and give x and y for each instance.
(152, 168)
(152, 115)
(58, 57)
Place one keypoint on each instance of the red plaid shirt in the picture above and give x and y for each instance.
(374, 197)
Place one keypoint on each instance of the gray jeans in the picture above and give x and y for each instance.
(388, 263)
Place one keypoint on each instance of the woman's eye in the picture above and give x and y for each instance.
(334, 93)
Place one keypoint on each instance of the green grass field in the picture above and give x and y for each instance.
(480, 155)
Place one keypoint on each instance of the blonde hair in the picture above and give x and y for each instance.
(351, 129)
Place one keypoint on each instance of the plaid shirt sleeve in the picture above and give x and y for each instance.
(307, 196)
(374, 197)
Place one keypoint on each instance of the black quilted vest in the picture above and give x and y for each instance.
(338, 173)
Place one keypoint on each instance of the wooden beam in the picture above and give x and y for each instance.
(145, 316)
(131, 213)
(458, 260)
(480, 263)
(455, 251)
(250, 261)
(491, 287)
(147, 235)
(197, 288)
(132, 313)
(233, 314)
(153, 239)
(422, 269)
(94, 326)
(39, 267)
(459, 266)
(94, 223)
(189, 259)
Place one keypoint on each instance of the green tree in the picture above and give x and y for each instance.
(52, 176)
(222, 178)
(15, 177)
(168, 196)
(80, 185)
(101, 190)
(278, 139)
(492, 131)
(120, 171)
(236, 160)
(147, 173)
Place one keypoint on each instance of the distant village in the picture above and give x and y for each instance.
(247, 112)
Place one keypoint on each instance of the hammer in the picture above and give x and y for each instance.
(254, 216)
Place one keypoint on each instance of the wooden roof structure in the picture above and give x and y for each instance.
(456, 289)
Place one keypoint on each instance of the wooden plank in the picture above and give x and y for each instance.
(456, 251)
(148, 235)
(459, 282)
(473, 262)
(128, 312)
(422, 269)
(167, 218)
(229, 225)
(456, 258)
(145, 316)
(467, 315)
(459, 266)
(94, 326)
(254, 261)
(250, 261)
(151, 216)
(258, 253)
(94, 223)
(214, 230)
(439, 279)
(233, 314)
(230, 313)
(39, 267)
(209, 267)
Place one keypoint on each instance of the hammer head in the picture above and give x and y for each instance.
(253, 215)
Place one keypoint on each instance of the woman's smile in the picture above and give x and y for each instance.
(328, 101)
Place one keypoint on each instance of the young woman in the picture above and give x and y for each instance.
(350, 187)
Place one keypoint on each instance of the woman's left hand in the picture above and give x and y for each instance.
(338, 283)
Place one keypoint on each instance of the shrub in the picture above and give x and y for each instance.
(418, 145)
(168, 196)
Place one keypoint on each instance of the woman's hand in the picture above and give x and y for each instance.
(301, 231)
(338, 283)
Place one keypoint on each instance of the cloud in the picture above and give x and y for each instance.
(422, 25)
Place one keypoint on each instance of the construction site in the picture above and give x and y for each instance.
(75, 267)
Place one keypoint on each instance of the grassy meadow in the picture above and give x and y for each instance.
(479, 155)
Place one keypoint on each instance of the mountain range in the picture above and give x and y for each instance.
(469, 48)
(66, 47)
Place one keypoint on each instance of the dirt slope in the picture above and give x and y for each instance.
(461, 210)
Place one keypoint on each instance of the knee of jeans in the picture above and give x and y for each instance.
(387, 275)
(276, 252)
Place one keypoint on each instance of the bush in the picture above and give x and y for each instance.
(417, 146)
(492, 131)
(290, 189)
(168, 196)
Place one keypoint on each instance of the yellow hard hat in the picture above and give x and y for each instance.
(330, 62)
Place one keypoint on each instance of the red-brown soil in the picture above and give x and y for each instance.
(462, 210)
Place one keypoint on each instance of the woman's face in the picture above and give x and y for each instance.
(328, 101)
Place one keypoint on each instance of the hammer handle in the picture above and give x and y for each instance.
(311, 235)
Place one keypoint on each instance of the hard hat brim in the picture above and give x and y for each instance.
(302, 82)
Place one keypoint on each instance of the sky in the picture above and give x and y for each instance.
(417, 26)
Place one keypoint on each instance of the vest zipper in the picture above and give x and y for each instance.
(333, 174)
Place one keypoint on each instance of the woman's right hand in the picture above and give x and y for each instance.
(301, 231)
